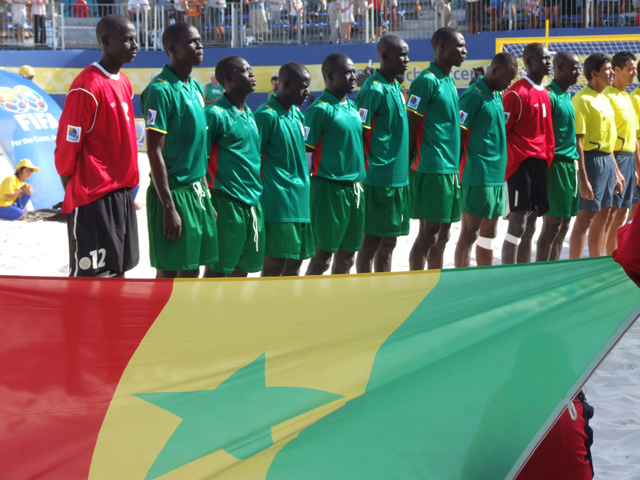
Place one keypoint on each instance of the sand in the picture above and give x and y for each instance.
(41, 249)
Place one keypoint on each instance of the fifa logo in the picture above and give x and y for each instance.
(21, 99)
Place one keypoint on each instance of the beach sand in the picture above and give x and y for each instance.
(41, 249)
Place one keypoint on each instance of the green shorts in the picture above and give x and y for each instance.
(337, 214)
(485, 202)
(290, 240)
(241, 235)
(435, 198)
(198, 244)
(562, 189)
(386, 211)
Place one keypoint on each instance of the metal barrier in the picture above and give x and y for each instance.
(227, 23)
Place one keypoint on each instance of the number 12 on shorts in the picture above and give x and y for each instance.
(95, 261)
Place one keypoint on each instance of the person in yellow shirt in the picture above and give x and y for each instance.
(598, 173)
(635, 101)
(626, 150)
(15, 193)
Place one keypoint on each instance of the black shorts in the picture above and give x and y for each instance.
(103, 236)
(527, 187)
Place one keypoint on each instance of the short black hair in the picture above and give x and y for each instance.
(563, 57)
(388, 42)
(291, 71)
(504, 59)
(620, 59)
(530, 49)
(595, 61)
(332, 61)
(225, 66)
(443, 34)
(275, 77)
(111, 23)
(172, 32)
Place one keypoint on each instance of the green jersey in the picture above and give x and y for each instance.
(334, 130)
(564, 127)
(213, 92)
(176, 109)
(233, 144)
(386, 137)
(434, 97)
(284, 163)
(485, 138)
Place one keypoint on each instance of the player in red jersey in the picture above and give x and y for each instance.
(97, 158)
(530, 149)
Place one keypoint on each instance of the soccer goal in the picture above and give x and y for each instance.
(583, 46)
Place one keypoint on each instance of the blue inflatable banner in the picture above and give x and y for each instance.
(28, 128)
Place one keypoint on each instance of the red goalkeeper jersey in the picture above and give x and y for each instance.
(527, 111)
(96, 143)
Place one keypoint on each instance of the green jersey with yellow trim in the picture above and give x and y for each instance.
(335, 134)
(233, 144)
(485, 138)
(564, 127)
(176, 109)
(434, 97)
(286, 196)
(386, 138)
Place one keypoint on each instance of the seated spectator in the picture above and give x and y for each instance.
(80, 9)
(477, 73)
(137, 10)
(15, 193)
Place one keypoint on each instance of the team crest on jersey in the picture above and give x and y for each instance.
(413, 102)
(463, 117)
(73, 134)
(363, 112)
(305, 132)
(151, 119)
(506, 117)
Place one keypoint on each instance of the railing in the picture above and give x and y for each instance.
(224, 23)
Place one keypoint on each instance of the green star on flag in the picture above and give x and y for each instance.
(236, 417)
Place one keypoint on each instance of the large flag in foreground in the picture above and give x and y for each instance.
(441, 375)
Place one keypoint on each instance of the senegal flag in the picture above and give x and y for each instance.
(440, 374)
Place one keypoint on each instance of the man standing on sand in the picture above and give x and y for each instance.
(97, 172)
(434, 150)
(562, 175)
(382, 110)
(530, 148)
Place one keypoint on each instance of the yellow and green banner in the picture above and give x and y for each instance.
(440, 374)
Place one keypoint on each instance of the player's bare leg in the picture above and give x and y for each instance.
(468, 235)
(292, 268)
(384, 254)
(238, 274)
(617, 218)
(515, 230)
(524, 249)
(273, 267)
(435, 257)
(320, 263)
(484, 249)
(583, 223)
(427, 238)
(550, 229)
(558, 242)
(597, 232)
(368, 249)
(342, 262)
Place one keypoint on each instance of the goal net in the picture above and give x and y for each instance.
(582, 46)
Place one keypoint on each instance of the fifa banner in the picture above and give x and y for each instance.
(443, 375)
(28, 128)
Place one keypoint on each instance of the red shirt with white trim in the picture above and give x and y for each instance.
(96, 143)
(527, 111)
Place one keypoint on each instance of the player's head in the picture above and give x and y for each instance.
(235, 75)
(597, 70)
(294, 81)
(503, 70)
(339, 73)
(449, 46)
(27, 72)
(393, 53)
(183, 44)
(624, 66)
(24, 169)
(537, 60)
(274, 82)
(566, 68)
(117, 38)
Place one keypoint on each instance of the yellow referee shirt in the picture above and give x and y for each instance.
(595, 120)
(635, 102)
(626, 119)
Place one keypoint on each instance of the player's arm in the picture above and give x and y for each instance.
(469, 106)
(586, 191)
(314, 120)
(265, 123)
(76, 120)
(512, 104)
(420, 92)
(368, 103)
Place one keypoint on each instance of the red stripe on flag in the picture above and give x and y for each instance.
(419, 138)
(63, 352)
(465, 144)
(367, 142)
(316, 156)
